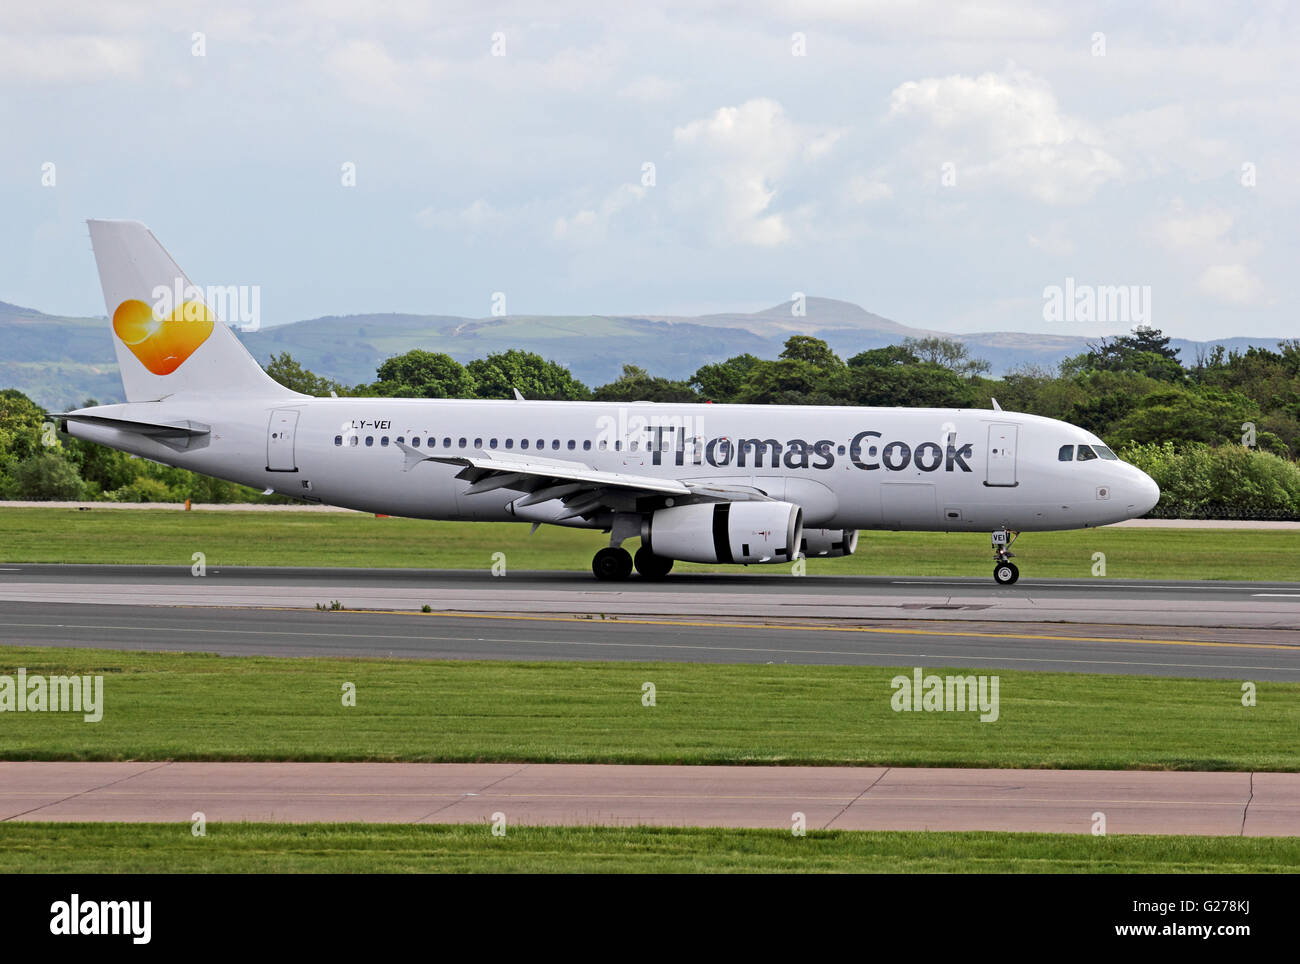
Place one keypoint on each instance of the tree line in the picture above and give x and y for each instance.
(1219, 434)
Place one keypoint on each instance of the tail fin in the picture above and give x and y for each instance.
(168, 340)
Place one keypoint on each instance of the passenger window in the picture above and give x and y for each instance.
(1086, 453)
(446, 442)
(492, 443)
(370, 440)
(383, 441)
(634, 444)
(415, 441)
(478, 443)
(510, 443)
(541, 443)
(401, 439)
(523, 443)
(586, 445)
(572, 445)
(462, 443)
(431, 442)
(338, 439)
(354, 439)
(1066, 454)
(603, 445)
(555, 443)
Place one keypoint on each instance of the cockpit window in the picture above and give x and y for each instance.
(1066, 454)
(1086, 453)
(1106, 453)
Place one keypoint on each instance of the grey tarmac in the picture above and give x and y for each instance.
(1222, 630)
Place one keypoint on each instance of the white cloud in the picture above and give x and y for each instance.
(577, 69)
(999, 20)
(1005, 128)
(1231, 284)
(651, 89)
(865, 190)
(1198, 232)
(477, 216)
(1054, 241)
(736, 157)
(590, 224)
(63, 59)
(1207, 240)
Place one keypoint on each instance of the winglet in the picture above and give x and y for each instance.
(996, 406)
(518, 397)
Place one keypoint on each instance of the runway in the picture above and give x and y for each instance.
(839, 798)
(1223, 630)
(1200, 604)
(252, 632)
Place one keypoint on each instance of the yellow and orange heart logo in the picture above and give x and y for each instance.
(162, 344)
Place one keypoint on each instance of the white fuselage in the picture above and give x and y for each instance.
(851, 468)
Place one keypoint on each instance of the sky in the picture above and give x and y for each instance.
(944, 165)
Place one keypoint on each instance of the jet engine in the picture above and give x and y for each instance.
(829, 542)
(741, 532)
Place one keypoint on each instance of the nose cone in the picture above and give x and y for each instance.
(1145, 494)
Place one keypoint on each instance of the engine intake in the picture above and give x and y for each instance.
(830, 542)
(741, 532)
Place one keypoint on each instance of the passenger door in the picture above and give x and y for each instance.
(280, 441)
(1001, 463)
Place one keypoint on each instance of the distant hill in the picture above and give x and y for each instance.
(60, 361)
(57, 362)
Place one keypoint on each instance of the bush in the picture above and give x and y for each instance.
(47, 476)
(143, 489)
(1227, 481)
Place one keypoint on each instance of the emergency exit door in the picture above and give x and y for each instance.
(279, 441)
(1001, 455)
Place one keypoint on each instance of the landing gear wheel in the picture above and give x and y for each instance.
(612, 563)
(1005, 573)
(651, 566)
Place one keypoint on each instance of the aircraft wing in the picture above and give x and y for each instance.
(582, 489)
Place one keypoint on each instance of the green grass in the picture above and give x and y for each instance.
(458, 848)
(166, 706)
(158, 537)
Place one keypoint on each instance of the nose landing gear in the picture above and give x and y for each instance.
(1005, 572)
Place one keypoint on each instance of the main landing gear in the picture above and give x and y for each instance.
(1005, 572)
(614, 563)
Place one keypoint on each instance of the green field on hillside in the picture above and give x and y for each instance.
(167, 537)
(466, 848)
(171, 706)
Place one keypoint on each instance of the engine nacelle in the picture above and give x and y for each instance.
(740, 532)
(830, 542)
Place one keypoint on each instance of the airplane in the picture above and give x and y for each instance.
(704, 483)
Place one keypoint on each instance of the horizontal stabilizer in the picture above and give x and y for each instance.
(178, 434)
